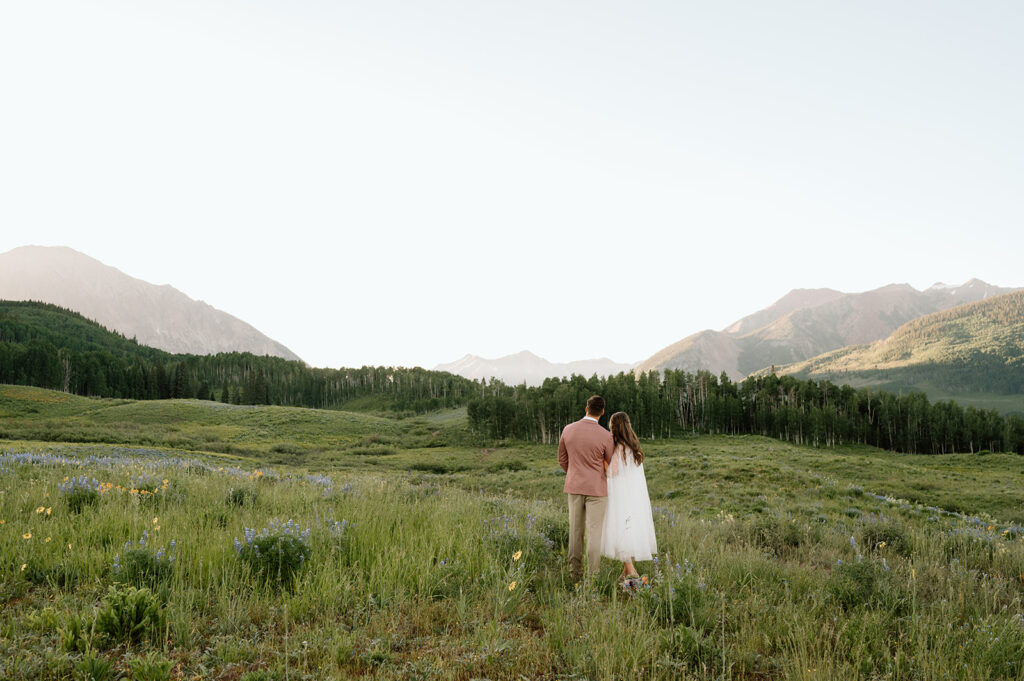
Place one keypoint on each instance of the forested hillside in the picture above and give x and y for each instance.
(49, 347)
(977, 347)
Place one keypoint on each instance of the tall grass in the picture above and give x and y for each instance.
(409, 576)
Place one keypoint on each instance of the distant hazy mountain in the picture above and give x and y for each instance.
(809, 322)
(972, 348)
(529, 368)
(158, 316)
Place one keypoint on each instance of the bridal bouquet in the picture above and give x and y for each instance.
(633, 585)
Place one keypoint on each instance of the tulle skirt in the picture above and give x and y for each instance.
(628, 522)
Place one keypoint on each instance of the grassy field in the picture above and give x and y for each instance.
(777, 562)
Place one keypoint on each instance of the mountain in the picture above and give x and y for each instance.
(526, 367)
(158, 316)
(808, 322)
(797, 299)
(968, 349)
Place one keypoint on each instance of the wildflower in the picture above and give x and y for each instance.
(23, 566)
(47, 541)
(1, 521)
(517, 555)
(27, 535)
(512, 586)
(48, 509)
(156, 527)
(155, 519)
(40, 509)
(882, 545)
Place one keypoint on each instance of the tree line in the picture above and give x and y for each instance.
(816, 413)
(46, 346)
(50, 347)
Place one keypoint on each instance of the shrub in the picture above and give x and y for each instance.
(276, 553)
(142, 565)
(682, 599)
(504, 540)
(75, 633)
(151, 667)
(999, 645)
(556, 530)
(240, 496)
(865, 583)
(57, 574)
(885, 535)
(776, 535)
(507, 465)
(373, 450)
(44, 620)
(261, 675)
(437, 467)
(94, 668)
(129, 615)
(694, 648)
(80, 492)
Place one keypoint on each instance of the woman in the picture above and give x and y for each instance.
(628, 523)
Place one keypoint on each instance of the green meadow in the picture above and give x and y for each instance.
(312, 544)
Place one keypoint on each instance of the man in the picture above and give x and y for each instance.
(583, 450)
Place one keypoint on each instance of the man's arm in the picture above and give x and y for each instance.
(563, 454)
(609, 449)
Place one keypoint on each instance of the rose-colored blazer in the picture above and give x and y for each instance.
(583, 449)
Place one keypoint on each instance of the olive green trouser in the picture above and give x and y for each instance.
(587, 512)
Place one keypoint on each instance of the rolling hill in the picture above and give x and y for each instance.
(158, 316)
(964, 352)
(808, 322)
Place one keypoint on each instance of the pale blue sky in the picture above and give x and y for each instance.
(406, 182)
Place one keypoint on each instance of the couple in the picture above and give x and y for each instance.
(607, 492)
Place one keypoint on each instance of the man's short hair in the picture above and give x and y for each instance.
(595, 405)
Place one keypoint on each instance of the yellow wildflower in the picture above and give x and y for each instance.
(517, 555)
(27, 535)
(882, 545)
(155, 519)
(47, 541)
(23, 566)
(48, 509)
(1, 521)
(156, 527)
(512, 586)
(40, 509)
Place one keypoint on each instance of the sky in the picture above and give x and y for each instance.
(402, 183)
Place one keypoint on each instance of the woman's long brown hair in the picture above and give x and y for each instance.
(622, 434)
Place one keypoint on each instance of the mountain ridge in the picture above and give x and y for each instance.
(527, 367)
(157, 315)
(808, 322)
(971, 348)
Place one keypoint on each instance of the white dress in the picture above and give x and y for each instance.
(628, 522)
